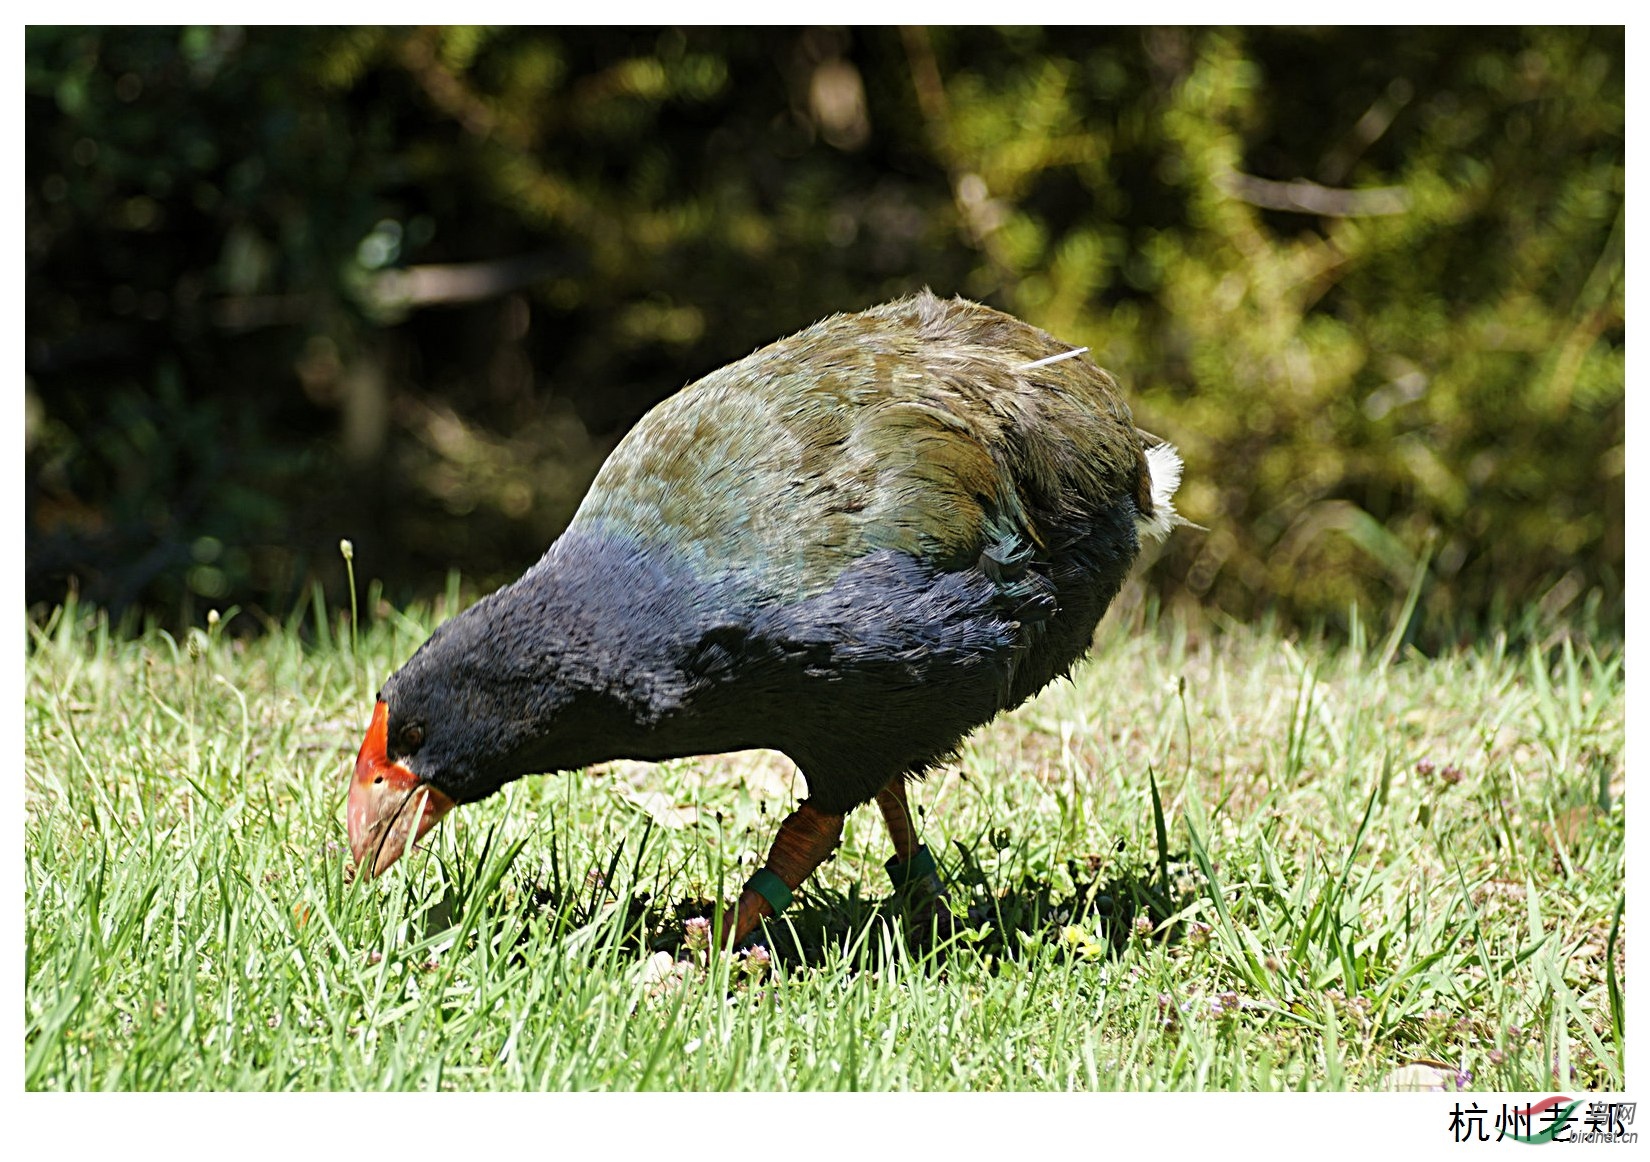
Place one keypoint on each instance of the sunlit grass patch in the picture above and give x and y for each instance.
(1213, 860)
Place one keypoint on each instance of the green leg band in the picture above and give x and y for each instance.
(771, 888)
(920, 864)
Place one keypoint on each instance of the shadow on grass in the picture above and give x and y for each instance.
(978, 915)
(982, 914)
(986, 917)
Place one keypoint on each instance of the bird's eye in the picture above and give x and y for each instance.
(412, 737)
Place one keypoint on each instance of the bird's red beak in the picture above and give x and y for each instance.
(390, 808)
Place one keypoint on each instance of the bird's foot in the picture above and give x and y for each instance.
(741, 920)
(930, 920)
(805, 838)
(917, 885)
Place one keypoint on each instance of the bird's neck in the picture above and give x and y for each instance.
(604, 618)
(637, 647)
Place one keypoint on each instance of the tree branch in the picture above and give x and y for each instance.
(1304, 197)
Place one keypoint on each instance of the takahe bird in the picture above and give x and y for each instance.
(853, 546)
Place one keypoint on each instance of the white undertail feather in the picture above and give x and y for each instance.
(1163, 462)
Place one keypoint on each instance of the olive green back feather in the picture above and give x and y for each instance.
(913, 426)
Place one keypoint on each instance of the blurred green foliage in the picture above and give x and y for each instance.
(409, 286)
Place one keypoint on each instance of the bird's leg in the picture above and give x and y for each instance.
(805, 838)
(912, 868)
(896, 812)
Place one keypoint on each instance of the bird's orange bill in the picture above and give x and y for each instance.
(390, 808)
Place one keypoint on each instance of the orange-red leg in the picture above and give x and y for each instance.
(923, 887)
(896, 813)
(805, 838)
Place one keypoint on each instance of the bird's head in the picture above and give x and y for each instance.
(452, 726)
(391, 806)
(490, 697)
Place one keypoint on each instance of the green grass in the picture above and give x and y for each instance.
(1305, 909)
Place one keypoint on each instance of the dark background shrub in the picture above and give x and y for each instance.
(409, 286)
